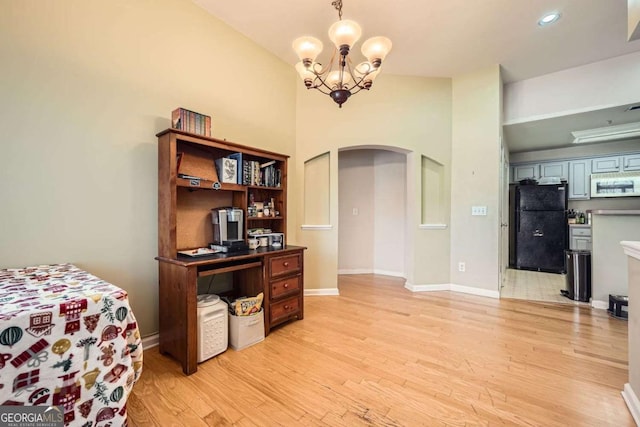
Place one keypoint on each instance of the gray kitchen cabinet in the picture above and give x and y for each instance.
(580, 237)
(579, 179)
(631, 162)
(521, 172)
(555, 169)
(606, 164)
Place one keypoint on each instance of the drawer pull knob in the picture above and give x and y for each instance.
(286, 263)
(286, 307)
(286, 285)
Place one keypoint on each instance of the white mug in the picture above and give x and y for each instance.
(264, 241)
(254, 243)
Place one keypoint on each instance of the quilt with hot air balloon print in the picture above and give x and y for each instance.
(70, 339)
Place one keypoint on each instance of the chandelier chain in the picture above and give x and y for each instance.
(338, 5)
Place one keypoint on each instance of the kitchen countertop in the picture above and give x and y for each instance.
(631, 248)
(616, 212)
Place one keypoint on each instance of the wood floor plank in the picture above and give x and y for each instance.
(380, 355)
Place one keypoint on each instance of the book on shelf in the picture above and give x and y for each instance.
(227, 170)
(190, 121)
(266, 164)
(239, 167)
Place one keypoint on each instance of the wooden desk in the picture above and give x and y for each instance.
(279, 273)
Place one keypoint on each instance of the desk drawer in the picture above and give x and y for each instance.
(285, 264)
(284, 287)
(284, 309)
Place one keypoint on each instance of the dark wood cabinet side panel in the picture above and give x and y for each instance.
(282, 203)
(301, 284)
(167, 196)
(178, 315)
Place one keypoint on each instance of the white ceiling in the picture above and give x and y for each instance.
(445, 38)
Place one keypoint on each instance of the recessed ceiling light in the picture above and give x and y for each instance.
(549, 18)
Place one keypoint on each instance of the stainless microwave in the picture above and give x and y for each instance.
(615, 184)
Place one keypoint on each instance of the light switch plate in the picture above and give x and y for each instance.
(479, 210)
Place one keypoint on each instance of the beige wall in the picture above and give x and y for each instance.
(410, 113)
(356, 184)
(85, 87)
(608, 261)
(390, 170)
(475, 178)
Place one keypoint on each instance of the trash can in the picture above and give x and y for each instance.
(578, 266)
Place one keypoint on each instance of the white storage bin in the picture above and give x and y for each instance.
(213, 326)
(245, 331)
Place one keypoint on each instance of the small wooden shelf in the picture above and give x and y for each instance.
(263, 187)
(264, 218)
(205, 184)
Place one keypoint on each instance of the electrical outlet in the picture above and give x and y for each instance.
(462, 266)
(355, 211)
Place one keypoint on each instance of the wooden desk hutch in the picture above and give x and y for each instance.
(184, 222)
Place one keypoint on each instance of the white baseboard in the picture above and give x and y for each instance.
(453, 288)
(389, 273)
(632, 402)
(427, 288)
(599, 304)
(348, 271)
(321, 292)
(150, 341)
(475, 291)
(356, 271)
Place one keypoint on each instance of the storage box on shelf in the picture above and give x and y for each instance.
(184, 222)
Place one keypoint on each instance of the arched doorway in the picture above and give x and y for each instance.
(372, 200)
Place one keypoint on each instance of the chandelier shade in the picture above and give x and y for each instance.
(376, 49)
(307, 48)
(340, 78)
(345, 33)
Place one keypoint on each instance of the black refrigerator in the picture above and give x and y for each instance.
(539, 233)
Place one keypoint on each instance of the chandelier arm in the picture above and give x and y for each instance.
(323, 71)
(359, 89)
(356, 82)
(320, 89)
(322, 83)
(319, 75)
(328, 67)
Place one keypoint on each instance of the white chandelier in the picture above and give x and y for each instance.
(345, 80)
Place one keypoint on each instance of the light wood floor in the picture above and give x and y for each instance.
(381, 355)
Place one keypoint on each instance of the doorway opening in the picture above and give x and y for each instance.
(372, 198)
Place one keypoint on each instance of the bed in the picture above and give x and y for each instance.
(70, 339)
